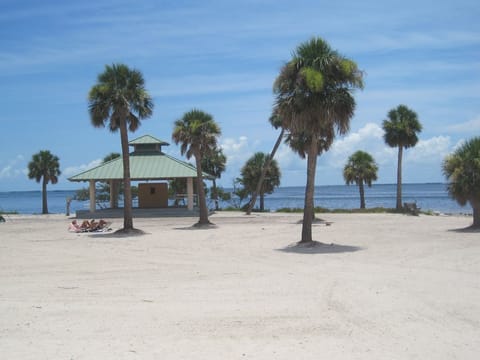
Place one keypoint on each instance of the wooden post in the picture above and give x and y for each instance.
(190, 194)
(92, 196)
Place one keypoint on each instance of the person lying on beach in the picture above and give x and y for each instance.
(87, 226)
(102, 224)
(93, 225)
(74, 226)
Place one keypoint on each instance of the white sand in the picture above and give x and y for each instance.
(391, 287)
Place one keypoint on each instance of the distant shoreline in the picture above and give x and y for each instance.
(428, 196)
(280, 187)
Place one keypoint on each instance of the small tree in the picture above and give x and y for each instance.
(239, 194)
(252, 170)
(462, 169)
(276, 123)
(213, 163)
(44, 167)
(360, 169)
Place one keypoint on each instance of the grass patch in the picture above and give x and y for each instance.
(4, 212)
(232, 208)
(321, 210)
(375, 210)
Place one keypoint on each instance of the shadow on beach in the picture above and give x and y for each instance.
(198, 227)
(319, 248)
(117, 234)
(468, 229)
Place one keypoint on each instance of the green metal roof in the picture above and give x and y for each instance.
(147, 139)
(142, 167)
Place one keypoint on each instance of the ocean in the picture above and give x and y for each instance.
(427, 196)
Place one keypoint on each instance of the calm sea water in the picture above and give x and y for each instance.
(428, 197)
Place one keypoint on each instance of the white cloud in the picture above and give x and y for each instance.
(368, 138)
(289, 160)
(237, 151)
(14, 168)
(467, 126)
(429, 151)
(74, 170)
(427, 154)
(8, 172)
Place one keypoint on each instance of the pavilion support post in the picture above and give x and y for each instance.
(114, 194)
(190, 194)
(92, 195)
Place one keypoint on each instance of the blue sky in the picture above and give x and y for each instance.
(222, 57)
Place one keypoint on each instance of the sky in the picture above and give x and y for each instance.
(222, 57)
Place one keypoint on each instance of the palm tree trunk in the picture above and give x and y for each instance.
(114, 185)
(202, 203)
(44, 196)
(215, 194)
(476, 214)
(262, 201)
(127, 196)
(308, 213)
(399, 178)
(362, 194)
(268, 160)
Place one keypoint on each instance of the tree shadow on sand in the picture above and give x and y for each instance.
(469, 229)
(121, 233)
(317, 221)
(317, 247)
(198, 226)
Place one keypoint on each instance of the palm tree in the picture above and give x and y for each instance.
(197, 133)
(120, 98)
(462, 169)
(401, 131)
(252, 171)
(360, 169)
(314, 100)
(213, 163)
(44, 167)
(276, 123)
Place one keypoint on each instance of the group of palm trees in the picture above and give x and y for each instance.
(313, 103)
(401, 131)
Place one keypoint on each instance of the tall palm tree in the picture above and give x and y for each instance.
(314, 100)
(120, 99)
(462, 169)
(197, 132)
(252, 171)
(213, 163)
(360, 169)
(44, 167)
(401, 131)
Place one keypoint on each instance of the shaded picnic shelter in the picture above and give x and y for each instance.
(152, 169)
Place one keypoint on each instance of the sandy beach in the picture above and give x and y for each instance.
(384, 286)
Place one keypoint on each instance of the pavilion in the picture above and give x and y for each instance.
(148, 165)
